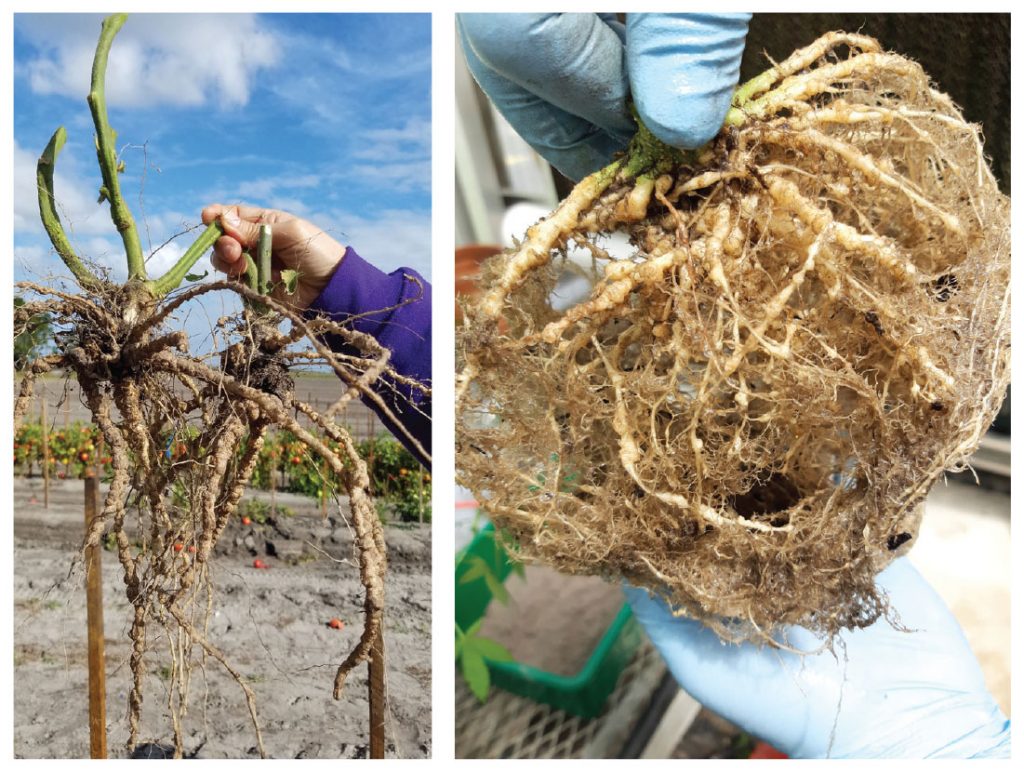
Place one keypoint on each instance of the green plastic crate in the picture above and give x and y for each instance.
(583, 694)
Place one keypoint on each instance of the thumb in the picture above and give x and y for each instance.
(245, 232)
(683, 69)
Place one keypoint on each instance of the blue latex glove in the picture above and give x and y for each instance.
(917, 694)
(563, 80)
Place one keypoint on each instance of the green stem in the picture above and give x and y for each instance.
(49, 216)
(263, 255)
(754, 99)
(106, 152)
(648, 155)
(170, 280)
(756, 85)
(252, 279)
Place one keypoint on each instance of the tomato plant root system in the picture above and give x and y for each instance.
(745, 415)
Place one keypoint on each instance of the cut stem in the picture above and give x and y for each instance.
(263, 255)
(258, 272)
(106, 152)
(49, 216)
(252, 279)
(170, 280)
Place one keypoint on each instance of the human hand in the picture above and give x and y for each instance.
(297, 244)
(563, 80)
(885, 693)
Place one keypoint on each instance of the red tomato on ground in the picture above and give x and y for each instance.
(246, 521)
(336, 624)
(178, 547)
(257, 563)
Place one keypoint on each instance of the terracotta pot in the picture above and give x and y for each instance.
(467, 270)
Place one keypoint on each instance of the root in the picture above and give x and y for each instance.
(745, 415)
(132, 373)
(40, 366)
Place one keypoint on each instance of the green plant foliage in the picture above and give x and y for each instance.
(260, 511)
(34, 340)
(400, 486)
(481, 569)
(73, 450)
(472, 652)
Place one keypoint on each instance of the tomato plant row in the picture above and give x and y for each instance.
(400, 485)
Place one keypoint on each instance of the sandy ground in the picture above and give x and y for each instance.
(271, 623)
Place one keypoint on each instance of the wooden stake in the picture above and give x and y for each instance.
(46, 455)
(273, 483)
(378, 703)
(370, 436)
(324, 490)
(94, 624)
(419, 493)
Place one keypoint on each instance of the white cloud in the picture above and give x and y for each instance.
(406, 177)
(33, 258)
(396, 158)
(156, 59)
(412, 139)
(167, 255)
(267, 188)
(78, 210)
(391, 239)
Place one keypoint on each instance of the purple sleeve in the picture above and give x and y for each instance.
(357, 288)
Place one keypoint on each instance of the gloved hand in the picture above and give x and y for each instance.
(562, 80)
(885, 694)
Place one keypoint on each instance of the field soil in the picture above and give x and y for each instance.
(272, 624)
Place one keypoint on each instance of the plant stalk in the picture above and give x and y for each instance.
(263, 255)
(170, 280)
(106, 152)
(258, 273)
(252, 280)
(48, 212)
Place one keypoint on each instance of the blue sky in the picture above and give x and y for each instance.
(326, 116)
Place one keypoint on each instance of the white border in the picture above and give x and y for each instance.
(443, 274)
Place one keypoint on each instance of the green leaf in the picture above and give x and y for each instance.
(290, 280)
(490, 649)
(478, 569)
(497, 589)
(474, 628)
(475, 671)
(196, 276)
